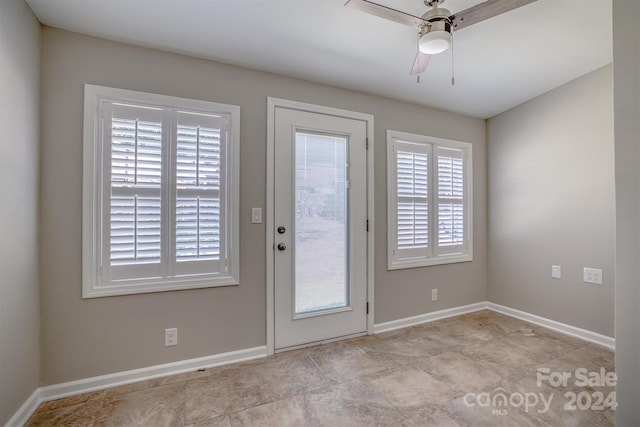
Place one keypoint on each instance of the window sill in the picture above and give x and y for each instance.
(129, 288)
(414, 263)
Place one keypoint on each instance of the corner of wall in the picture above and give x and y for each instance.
(551, 195)
(20, 50)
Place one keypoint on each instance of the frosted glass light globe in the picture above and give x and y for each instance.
(435, 42)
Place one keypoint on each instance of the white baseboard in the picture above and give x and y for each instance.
(427, 317)
(563, 328)
(58, 391)
(26, 410)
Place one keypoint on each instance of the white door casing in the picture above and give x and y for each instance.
(322, 136)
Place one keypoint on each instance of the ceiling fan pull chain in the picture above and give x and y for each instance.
(418, 50)
(453, 79)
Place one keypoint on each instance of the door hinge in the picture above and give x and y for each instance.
(367, 308)
(367, 143)
(367, 225)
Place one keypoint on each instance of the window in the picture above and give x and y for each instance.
(429, 201)
(160, 197)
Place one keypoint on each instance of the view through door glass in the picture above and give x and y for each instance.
(321, 222)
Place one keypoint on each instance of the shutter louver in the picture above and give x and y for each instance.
(412, 214)
(450, 206)
(135, 152)
(135, 230)
(412, 225)
(197, 229)
(135, 211)
(198, 171)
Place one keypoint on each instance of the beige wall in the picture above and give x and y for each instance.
(626, 60)
(19, 144)
(551, 201)
(84, 338)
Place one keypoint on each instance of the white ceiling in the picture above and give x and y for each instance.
(499, 63)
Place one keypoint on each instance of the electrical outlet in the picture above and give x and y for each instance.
(556, 271)
(170, 337)
(592, 275)
(434, 295)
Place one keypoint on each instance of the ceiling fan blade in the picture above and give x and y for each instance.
(486, 10)
(385, 12)
(420, 63)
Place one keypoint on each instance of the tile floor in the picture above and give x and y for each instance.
(478, 369)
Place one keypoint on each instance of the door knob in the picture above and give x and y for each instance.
(282, 246)
(281, 229)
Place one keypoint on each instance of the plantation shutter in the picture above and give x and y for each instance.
(147, 239)
(429, 201)
(160, 193)
(411, 199)
(450, 201)
(133, 169)
(199, 207)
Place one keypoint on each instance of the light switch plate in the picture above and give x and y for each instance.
(556, 271)
(256, 215)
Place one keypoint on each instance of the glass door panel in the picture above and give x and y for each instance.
(321, 222)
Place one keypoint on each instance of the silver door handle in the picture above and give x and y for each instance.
(282, 246)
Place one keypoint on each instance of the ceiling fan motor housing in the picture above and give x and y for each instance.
(437, 14)
(437, 26)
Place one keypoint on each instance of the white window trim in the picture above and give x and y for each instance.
(91, 203)
(393, 263)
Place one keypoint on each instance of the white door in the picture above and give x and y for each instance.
(320, 221)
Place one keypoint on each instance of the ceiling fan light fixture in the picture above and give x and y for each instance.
(435, 42)
(436, 37)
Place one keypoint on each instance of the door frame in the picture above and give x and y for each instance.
(272, 104)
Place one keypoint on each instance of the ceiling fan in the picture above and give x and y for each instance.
(437, 24)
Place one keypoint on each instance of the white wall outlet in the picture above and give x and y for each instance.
(256, 215)
(556, 271)
(170, 337)
(593, 275)
(434, 295)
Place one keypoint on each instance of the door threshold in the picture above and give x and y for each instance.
(316, 343)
